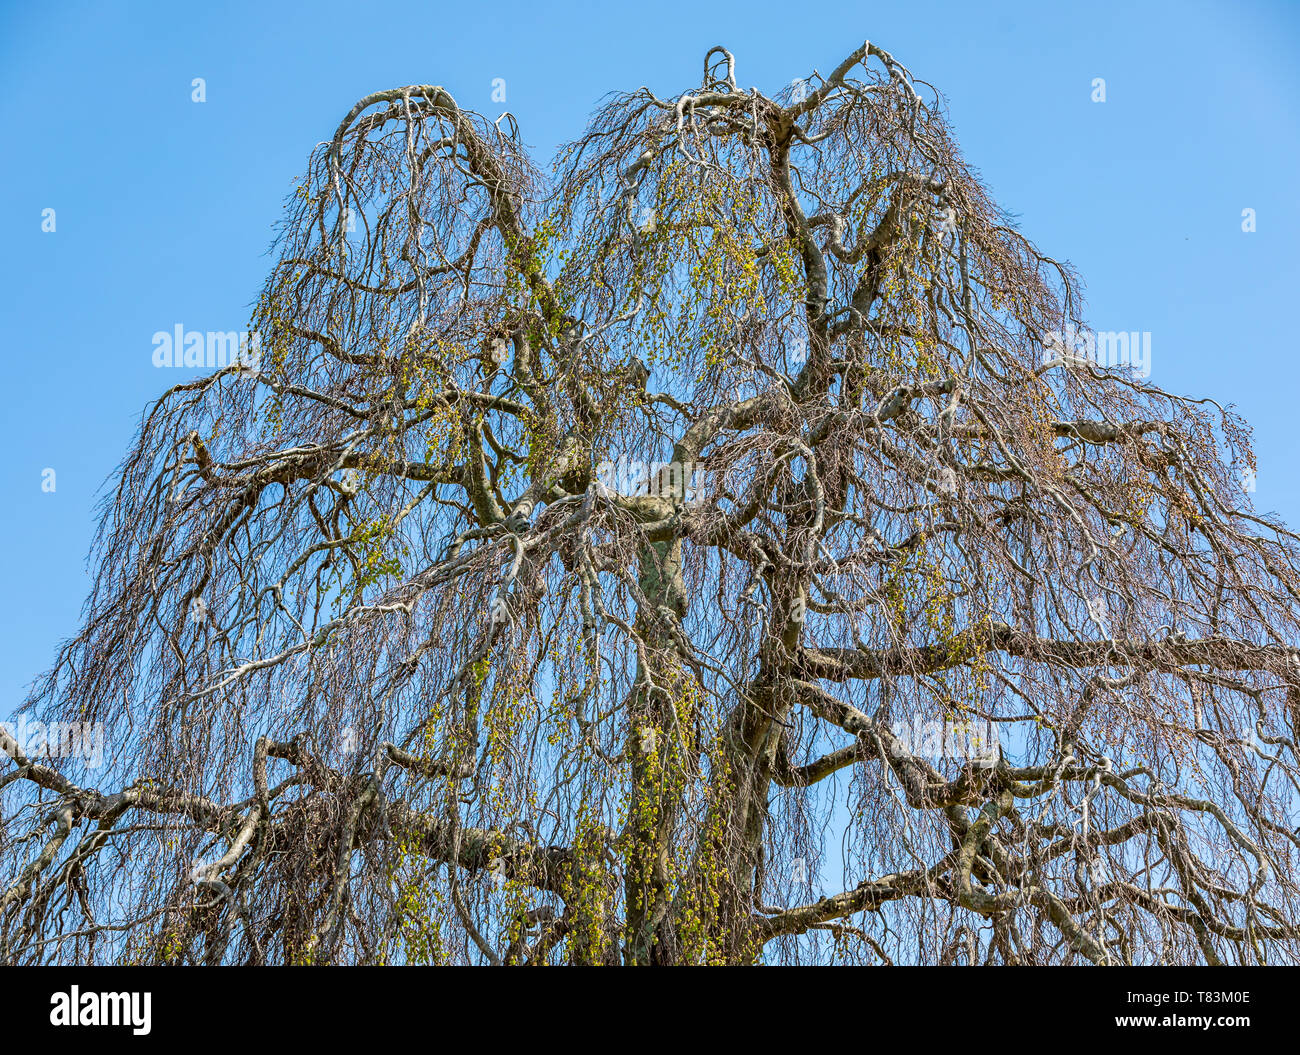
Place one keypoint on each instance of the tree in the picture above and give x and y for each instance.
(599, 567)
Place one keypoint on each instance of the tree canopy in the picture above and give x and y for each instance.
(567, 578)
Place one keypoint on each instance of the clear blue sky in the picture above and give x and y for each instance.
(164, 207)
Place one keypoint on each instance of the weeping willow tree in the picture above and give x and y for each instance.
(567, 578)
